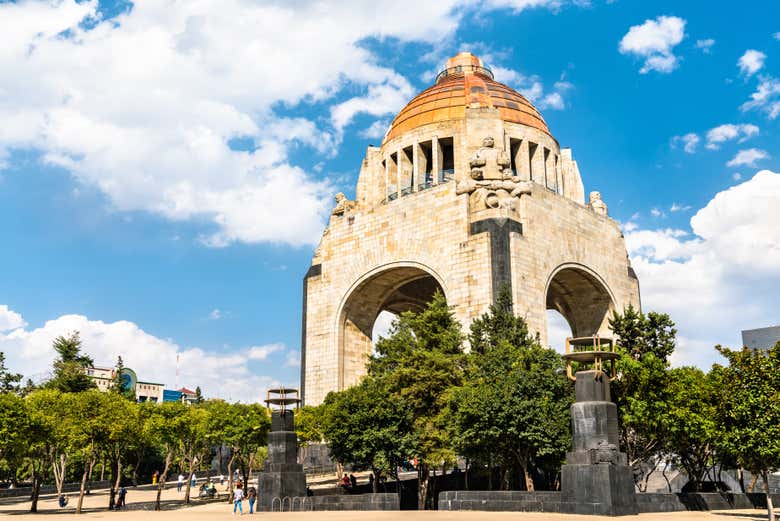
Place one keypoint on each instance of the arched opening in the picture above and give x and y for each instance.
(392, 290)
(583, 300)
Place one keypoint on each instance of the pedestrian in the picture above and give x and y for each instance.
(180, 482)
(238, 496)
(251, 495)
(371, 481)
(352, 481)
(155, 474)
(346, 483)
(120, 500)
(194, 480)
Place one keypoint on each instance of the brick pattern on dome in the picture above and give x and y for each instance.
(448, 100)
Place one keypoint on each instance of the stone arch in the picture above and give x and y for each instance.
(582, 297)
(395, 287)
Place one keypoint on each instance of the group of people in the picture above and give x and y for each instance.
(348, 482)
(239, 496)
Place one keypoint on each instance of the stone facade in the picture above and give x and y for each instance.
(438, 207)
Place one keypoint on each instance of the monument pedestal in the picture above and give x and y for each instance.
(596, 479)
(282, 475)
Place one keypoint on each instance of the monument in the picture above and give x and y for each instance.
(282, 475)
(596, 478)
(469, 191)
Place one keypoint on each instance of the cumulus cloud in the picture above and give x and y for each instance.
(721, 277)
(520, 5)
(144, 107)
(748, 157)
(679, 207)
(10, 319)
(654, 41)
(376, 130)
(722, 133)
(689, 142)
(532, 87)
(765, 98)
(215, 314)
(224, 375)
(705, 45)
(751, 62)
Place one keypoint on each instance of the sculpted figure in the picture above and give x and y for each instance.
(343, 204)
(606, 453)
(489, 162)
(596, 204)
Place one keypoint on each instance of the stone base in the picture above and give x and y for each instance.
(290, 482)
(601, 489)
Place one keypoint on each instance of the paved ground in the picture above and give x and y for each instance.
(140, 500)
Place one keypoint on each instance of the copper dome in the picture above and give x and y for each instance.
(465, 82)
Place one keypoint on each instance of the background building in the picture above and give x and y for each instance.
(144, 391)
(761, 338)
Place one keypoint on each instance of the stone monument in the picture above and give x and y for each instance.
(282, 475)
(596, 478)
(468, 191)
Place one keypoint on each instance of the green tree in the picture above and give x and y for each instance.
(88, 431)
(198, 395)
(195, 441)
(368, 427)
(69, 375)
(748, 410)
(9, 382)
(117, 383)
(641, 389)
(166, 425)
(513, 408)
(420, 363)
(48, 441)
(308, 425)
(689, 423)
(123, 430)
(14, 431)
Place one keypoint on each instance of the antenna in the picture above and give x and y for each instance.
(177, 371)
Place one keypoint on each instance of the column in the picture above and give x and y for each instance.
(522, 161)
(398, 164)
(437, 158)
(415, 166)
(387, 176)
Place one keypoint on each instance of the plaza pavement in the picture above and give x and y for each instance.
(140, 501)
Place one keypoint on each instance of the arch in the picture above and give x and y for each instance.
(395, 287)
(583, 298)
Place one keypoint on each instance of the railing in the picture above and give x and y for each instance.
(406, 191)
(446, 175)
(392, 197)
(425, 185)
(461, 69)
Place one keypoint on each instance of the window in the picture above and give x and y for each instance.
(514, 155)
(531, 159)
(448, 159)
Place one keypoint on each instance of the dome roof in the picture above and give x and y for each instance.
(465, 82)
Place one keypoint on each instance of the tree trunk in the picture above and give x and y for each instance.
(139, 455)
(374, 484)
(230, 477)
(423, 474)
(36, 489)
(193, 463)
(163, 477)
(116, 466)
(466, 474)
(770, 508)
(529, 482)
(87, 472)
(490, 472)
(59, 472)
(741, 476)
(103, 469)
(753, 483)
(663, 473)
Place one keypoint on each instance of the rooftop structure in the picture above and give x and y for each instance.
(761, 338)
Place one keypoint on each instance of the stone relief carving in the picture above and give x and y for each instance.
(596, 204)
(490, 181)
(343, 205)
(605, 452)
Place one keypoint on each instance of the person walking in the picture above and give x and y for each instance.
(180, 482)
(120, 500)
(154, 477)
(251, 495)
(352, 481)
(193, 481)
(238, 496)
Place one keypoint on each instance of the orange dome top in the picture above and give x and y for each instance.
(465, 82)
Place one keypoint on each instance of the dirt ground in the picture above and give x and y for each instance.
(140, 502)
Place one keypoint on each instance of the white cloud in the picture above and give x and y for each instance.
(532, 87)
(292, 358)
(679, 208)
(689, 142)
(727, 132)
(655, 212)
(376, 130)
(776, 36)
(721, 278)
(225, 375)
(520, 5)
(143, 107)
(10, 319)
(654, 41)
(215, 314)
(705, 45)
(748, 157)
(751, 62)
(765, 98)
(736, 176)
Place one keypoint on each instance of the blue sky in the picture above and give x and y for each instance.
(166, 169)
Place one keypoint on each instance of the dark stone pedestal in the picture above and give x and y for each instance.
(282, 476)
(596, 478)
